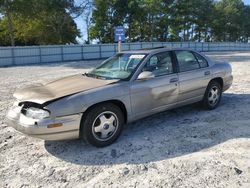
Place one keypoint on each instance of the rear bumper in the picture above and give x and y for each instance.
(69, 128)
(228, 81)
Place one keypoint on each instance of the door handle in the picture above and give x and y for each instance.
(207, 73)
(172, 80)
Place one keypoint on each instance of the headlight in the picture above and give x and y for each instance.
(37, 113)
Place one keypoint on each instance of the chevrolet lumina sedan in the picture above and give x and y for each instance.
(126, 87)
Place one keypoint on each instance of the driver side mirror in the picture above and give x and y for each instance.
(145, 75)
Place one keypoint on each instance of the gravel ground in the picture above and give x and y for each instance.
(185, 147)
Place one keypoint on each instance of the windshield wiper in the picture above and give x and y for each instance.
(88, 75)
(95, 76)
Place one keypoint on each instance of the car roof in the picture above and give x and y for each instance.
(155, 50)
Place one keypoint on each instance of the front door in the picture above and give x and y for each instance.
(157, 93)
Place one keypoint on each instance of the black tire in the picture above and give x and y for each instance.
(90, 122)
(207, 101)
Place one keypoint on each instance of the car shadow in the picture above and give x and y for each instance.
(165, 135)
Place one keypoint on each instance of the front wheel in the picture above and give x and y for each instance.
(212, 95)
(102, 125)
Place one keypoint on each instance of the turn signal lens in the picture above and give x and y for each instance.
(55, 125)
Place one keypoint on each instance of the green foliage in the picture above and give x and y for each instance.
(245, 28)
(172, 20)
(32, 22)
(228, 23)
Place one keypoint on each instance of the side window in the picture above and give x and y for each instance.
(160, 64)
(202, 61)
(153, 61)
(186, 61)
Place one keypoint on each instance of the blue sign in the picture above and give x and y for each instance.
(119, 34)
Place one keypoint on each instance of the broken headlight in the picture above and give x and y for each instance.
(37, 113)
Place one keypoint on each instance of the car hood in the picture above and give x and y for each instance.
(41, 93)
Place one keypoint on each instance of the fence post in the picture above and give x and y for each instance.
(82, 52)
(100, 51)
(13, 56)
(40, 54)
(62, 53)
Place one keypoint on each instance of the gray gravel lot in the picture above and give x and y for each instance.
(185, 147)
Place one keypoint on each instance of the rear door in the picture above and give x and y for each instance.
(194, 75)
(158, 93)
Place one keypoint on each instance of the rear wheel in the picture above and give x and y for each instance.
(102, 125)
(212, 95)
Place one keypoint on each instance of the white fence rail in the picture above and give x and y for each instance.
(60, 53)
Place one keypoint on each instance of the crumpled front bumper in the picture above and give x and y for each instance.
(69, 128)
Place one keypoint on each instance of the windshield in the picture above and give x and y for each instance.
(120, 66)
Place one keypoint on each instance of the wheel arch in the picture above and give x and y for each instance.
(116, 102)
(219, 80)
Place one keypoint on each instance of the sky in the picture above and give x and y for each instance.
(81, 26)
(246, 2)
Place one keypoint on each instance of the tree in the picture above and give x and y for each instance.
(203, 15)
(45, 22)
(101, 26)
(228, 22)
(7, 8)
(245, 28)
(52, 21)
(87, 13)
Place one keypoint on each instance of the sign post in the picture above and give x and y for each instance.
(119, 36)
